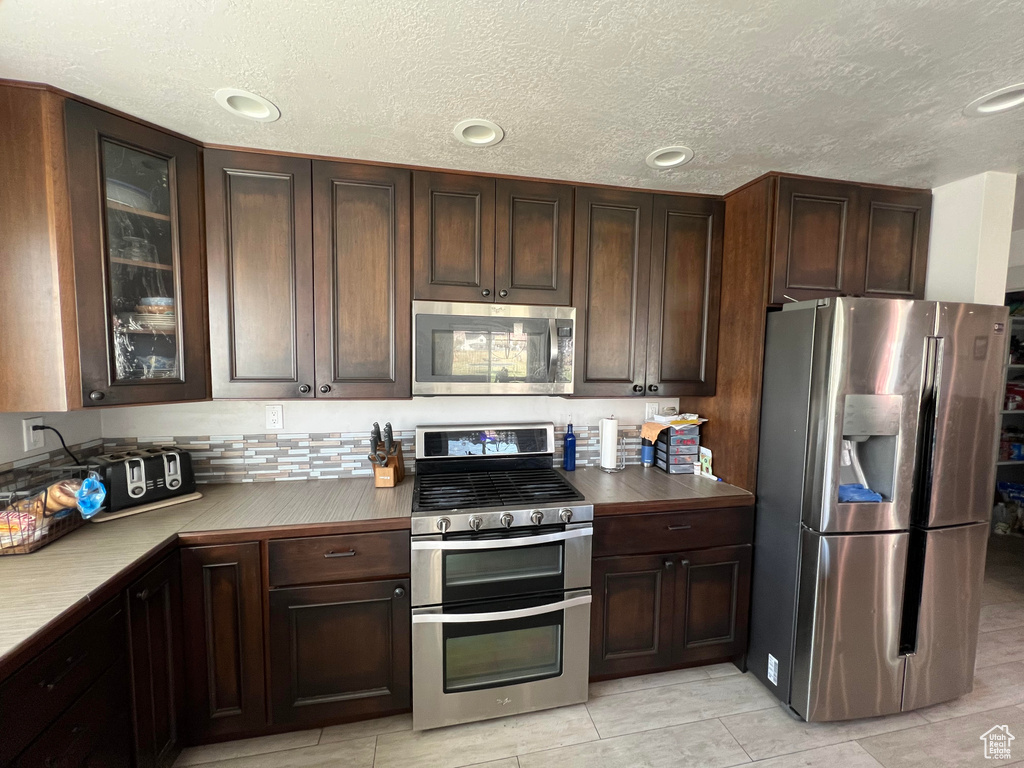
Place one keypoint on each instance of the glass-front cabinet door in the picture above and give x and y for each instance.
(138, 260)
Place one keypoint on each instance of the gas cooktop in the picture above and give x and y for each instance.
(472, 490)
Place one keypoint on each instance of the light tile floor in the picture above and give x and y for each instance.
(709, 717)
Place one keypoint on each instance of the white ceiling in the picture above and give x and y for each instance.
(584, 89)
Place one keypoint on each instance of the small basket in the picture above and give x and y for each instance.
(26, 530)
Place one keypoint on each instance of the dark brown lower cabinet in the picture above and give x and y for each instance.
(222, 607)
(154, 621)
(654, 612)
(93, 733)
(631, 627)
(339, 651)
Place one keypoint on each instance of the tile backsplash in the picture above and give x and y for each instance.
(282, 456)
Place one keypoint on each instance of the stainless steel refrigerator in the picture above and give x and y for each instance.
(863, 608)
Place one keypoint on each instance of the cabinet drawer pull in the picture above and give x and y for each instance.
(69, 664)
(350, 553)
(680, 527)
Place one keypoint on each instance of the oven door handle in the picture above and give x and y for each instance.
(522, 613)
(521, 541)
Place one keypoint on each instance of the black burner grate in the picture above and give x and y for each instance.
(469, 490)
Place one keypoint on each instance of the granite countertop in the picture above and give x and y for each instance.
(62, 579)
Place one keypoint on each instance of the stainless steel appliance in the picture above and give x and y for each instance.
(491, 349)
(501, 549)
(143, 476)
(862, 607)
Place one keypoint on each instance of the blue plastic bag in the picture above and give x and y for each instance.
(857, 492)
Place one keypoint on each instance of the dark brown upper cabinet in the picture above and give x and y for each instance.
(309, 277)
(533, 245)
(362, 285)
(895, 224)
(686, 286)
(611, 267)
(843, 239)
(505, 241)
(453, 237)
(646, 305)
(134, 196)
(260, 260)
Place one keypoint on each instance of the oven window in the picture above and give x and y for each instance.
(492, 654)
(463, 569)
(495, 573)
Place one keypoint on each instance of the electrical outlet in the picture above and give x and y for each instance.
(32, 440)
(275, 417)
(650, 411)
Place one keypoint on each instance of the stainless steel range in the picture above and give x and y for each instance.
(501, 546)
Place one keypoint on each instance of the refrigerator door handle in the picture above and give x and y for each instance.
(926, 428)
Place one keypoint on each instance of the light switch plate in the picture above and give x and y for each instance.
(650, 411)
(275, 417)
(32, 440)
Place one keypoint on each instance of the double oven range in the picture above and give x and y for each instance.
(501, 549)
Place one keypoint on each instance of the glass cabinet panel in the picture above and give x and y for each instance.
(142, 264)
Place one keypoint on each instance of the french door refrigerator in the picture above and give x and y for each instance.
(870, 607)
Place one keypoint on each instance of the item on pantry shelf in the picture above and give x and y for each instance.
(1011, 444)
(569, 449)
(1008, 515)
(1014, 396)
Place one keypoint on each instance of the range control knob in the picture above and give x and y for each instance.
(566, 515)
(507, 520)
(475, 523)
(444, 524)
(537, 517)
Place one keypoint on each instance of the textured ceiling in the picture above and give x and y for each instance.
(584, 89)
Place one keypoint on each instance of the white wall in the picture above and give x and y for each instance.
(1015, 275)
(236, 417)
(77, 427)
(969, 243)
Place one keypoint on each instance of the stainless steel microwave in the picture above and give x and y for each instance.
(491, 349)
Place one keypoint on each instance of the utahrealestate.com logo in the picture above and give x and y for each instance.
(997, 742)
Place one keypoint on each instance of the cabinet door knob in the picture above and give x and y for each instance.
(668, 563)
(325, 388)
(304, 389)
(96, 395)
(143, 595)
(399, 592)
(684, 563)
(638, 387)
(503, 293)
(486, 291)
(653, 388)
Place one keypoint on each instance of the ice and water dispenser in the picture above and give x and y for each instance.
(870, 444)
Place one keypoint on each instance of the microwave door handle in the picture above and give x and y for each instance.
(553, 343)
(521, 613)
(522, 541)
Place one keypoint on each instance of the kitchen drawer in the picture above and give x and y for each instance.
(672, 531)
(94, 733)
(349, 557)
(37, 693)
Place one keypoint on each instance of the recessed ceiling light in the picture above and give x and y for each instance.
(669, 157)
(248, 105)
(478, 133)
(998, 101)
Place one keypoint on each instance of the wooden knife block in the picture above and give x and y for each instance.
(393, 473)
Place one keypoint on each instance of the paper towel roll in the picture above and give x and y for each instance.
(608, 434)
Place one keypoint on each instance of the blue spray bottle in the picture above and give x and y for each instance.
(569, 450)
